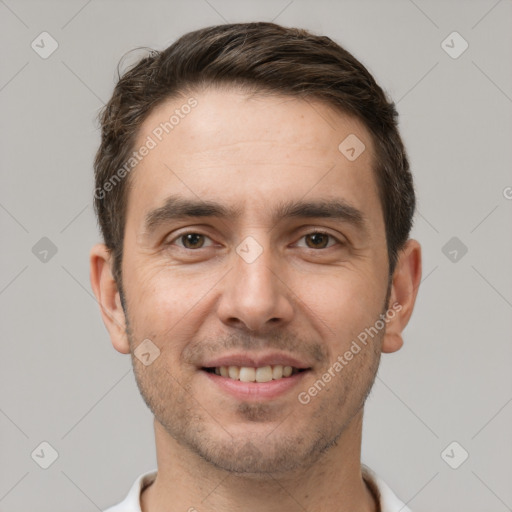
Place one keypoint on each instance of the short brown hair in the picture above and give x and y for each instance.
(262, 57)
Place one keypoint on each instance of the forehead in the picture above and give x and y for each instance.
(252, 149)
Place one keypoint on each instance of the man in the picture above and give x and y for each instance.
(255, 201)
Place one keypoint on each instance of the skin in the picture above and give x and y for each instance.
(302, 296)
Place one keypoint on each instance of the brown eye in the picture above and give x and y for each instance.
(317, 240)
(192, 240)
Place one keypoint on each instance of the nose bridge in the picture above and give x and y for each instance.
(255, 295)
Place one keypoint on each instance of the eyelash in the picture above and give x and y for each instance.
(181, 235)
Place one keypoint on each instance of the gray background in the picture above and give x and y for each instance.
(62, 382)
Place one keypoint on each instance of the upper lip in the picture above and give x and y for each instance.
(256, 360)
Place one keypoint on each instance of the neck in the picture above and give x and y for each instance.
(187, 482)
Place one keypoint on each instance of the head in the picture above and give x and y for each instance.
(255, 201)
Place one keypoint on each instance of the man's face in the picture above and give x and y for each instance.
(259, 287)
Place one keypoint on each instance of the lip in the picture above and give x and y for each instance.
(255, 391)
(256, 360)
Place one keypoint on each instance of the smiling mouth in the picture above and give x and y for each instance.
(261, 374)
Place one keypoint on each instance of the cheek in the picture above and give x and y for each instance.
(164, 301)
(342, 306)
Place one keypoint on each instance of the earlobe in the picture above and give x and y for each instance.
(404, 289)
(107, 294)
(393, 340)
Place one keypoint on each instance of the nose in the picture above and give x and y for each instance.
(255, 294)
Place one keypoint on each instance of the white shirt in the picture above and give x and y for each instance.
(387, 498)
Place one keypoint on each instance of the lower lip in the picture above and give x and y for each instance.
(256, 390)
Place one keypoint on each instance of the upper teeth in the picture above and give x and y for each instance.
(262, 374)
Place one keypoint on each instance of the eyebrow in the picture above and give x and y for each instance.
(179, 208)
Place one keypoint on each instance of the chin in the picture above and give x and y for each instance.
(257, 454)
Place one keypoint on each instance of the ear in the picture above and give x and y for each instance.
(404, 288)
(107, 295)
